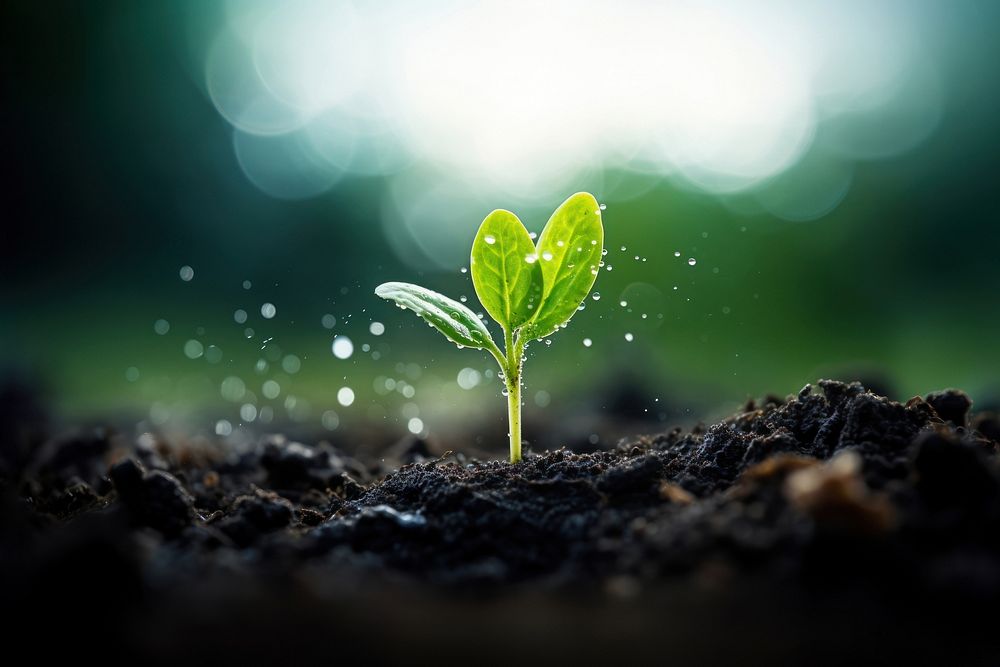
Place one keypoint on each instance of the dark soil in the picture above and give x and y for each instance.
(829, 525)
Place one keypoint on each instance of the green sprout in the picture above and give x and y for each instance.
(530, 290)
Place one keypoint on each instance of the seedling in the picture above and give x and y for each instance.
(531, 290)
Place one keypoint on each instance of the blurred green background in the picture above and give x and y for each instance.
(843, 223)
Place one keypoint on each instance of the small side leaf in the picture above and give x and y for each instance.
(458, 324)
(569, 251)
(505, 270)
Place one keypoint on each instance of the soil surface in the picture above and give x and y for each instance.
(832, 524)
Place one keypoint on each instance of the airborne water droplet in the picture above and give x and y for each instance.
(692, 261)
(677, 253)
(587, 342)
(629, 337)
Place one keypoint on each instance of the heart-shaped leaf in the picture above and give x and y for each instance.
(505, 270)
(569, 252)
(458, 324)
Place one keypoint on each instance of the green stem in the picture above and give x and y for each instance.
(512, 375)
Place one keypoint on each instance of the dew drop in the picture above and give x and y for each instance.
(547, 256)
(692, 261)
(677, 253)
(623, 303)
(464, 270)
(587, 342)
(603, 206)
(490, 240)
(629, 337)
(531, 259)
(596, 296)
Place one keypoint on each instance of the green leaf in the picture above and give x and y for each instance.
(505, 269)
(569, 252)
(458, 324)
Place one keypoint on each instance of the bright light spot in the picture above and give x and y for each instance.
(629, 338)
(161, 327)
(415, 425)
(376, 328)
(721, 96)
(468, 378)
(268, 311)
(187, 273)
(223, 427)
(248, 412)
(342, 347)
(270, 389)
(193, 349)
(247, 284)
(240, 316)
(345, 396)
(587, 342)
(329, 321)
